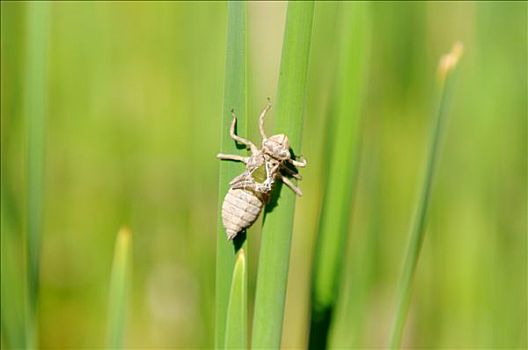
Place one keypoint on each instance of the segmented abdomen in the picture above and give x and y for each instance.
(240, 210)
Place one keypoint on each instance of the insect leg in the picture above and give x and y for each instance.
(261, 119)
(298, 163)
(239, 179)
(294, 188)
(242, 182)
(271, 169)
(246, 185)
(292, 173)
(239, 139)
(234, 157)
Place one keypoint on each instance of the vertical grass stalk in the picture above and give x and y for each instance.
(11, 289)
(119, 285)
(336, 209)
(36, 87)
(278, 221)
(12, 246)
(446, 69)
(236, 326)
(235, 96)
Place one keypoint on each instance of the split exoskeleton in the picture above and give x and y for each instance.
(250, 191)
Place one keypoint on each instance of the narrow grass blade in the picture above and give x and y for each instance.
(446, 70)
(277, 230)
(36, 87)
(12, 237)
(236, 327)
(119, 285)
(12, 267)
(335, 214)
(235, 96)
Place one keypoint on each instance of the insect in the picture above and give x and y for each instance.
(250, 191)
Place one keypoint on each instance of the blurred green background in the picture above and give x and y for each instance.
(132, 126)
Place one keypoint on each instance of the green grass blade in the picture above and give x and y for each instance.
(335, 215)
(12, 238)
(235, 96)
(36, 88)
(119, 285)
(277, 230)
(12, 293)
(447, 65)
(236, 327)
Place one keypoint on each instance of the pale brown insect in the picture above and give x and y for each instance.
(250, 191)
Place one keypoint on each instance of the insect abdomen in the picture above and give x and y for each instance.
(240, 210)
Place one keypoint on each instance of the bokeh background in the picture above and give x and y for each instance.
(133, 96)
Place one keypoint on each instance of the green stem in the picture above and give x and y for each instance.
(235, 95)
(278, 221)
(236, 327)
(418, 228)
(335, 214)
(119, 285)
(36, 88)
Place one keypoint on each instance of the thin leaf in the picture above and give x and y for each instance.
(119, 284)
(447, 65)
(278, 222)
(236, 327)
(12, 247)
(336, 209)
(235, 95)
(12, 293)
(36, 88)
